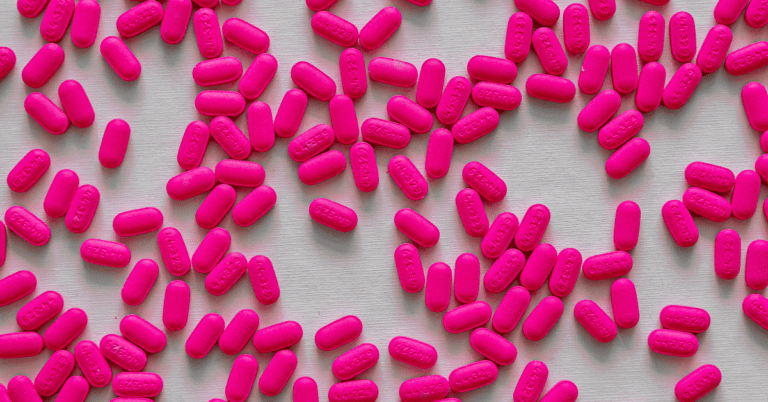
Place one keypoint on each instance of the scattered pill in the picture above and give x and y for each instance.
(466, 278)
(28, 226)
(362, 159)
(28, 170)
(673, 343)
(355, 361)
(565, 273)
(176, 305)
(756, 265)
(715, 48)
(517, 43)
(417, 227)
(16, 345)
(123, 353)
(426, 388)
(258, 76)
(311, 143)
(344, 119)
(139, 18)
(608, 265)
(550, 88)
(710, 177)
(599, 110)
(576, 28)
(143, 333)
(277, 373)
(684, 318)
(437, 293)
(627, 158)
(453, 100)
(208, 33)
(511, 309)
(407, 177)
(92, 363)
(727, 254)
(8, 60)
(385, 133)
(305, 390)
(650, 87)
(352, 70)
(313, 81)
(333, 215)
(544, 12)
(239, 331)
(492, 69)
(472, 212)
(439, 151)
(543, 318)
(754, 97)
(220, 103)
(217, 71)
(76, 104)
(263, 280)
(682, 36)
(46, 113)
(650, 36)
(39, 310)
(120, 58)
(105, 252)
(497, 96)
(193, 145)
(475, 125)
(322, 167)
(20, 388)
(531, 382)
(254, 205)
(245, 35)
(175, 21)
(538, 267)
(680, 223)
(137, 221)
(31, 8)
(594, 68)
(467, 316)
(215, 206)
(504, 270)
(626, 226)
(493, 346)
(191, 183)
(550, 51)
(338, 333)
(626, 312)
(499, 235)
(413, 352)
(65, 329)
(278, 336)
(409, 113)
(755, 307)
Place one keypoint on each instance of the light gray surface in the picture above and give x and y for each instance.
(538, 150)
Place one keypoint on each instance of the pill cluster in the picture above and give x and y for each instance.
(530, 261)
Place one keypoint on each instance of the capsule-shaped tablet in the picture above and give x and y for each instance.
(39, 310)
(363, 162)
(531, 382)
(189, 184)
(208, 33)
(123, 353)
(544, 12)
(538, 266)
(747, 59)
(226, 273)
(407, 177)
(682, 36)
(627, 158)
(8, 60)
(517, 43)
(650, 87)
(710, 177)
(174, 251)
(626, 227)
(493, 346)
(114, 143)
(472, 212)
(290, 113)
(754, 97)
(746, 192)
(193, 145)
(215, 206)
(315, 82)
(311, 143)
(137, 385)
(175, 21)
(16, 345)
(542, 318)
(261, 128)
(219, 103)
(322, 167)
(684, 318)
(754, 306)
(511, 309)
(75, 389)
(756, 265)
(698, 383)
(550, 51)
(28, 226)
(608, 265)
(727, 11)
(467, 316)
(238, 332)
(492, 69)
(680, 223)
(626, 312)
(90, 360)
(65, 329)
(20, 388)
(338, 333)
(344, 119)
(143, 333)
(277, 336)
(673, 343)
(365, 391)
(204, 336)
(46, 113)
(439, 152)
(263, 280)
(380, 28)
(333, 215)
(504, 270)
(453, 100)
(76, 104)
(565, 273)
(681, 86)
(594, 69)
(30, 8)
(393, 72)
(254, 205)
(575, 28)
(621, 129)
(715, 47)
(466, 278)
(532, 227)
(599, 110)
(473, 376)
(28, 170)
(595, 321)
(106, 253)
(624, 68)
(499, 236)
(650, 36)
(258, 76)
(139, 18)
(707, 204)
(216, 72)
(176, 305)
(727, 254)
(245, 35)
(137, 221)
(497, 96)
(355, 361)
(475, 125)
(334, 28)
(413, 352)
(120, 58)
(427, 388)
(437, 293)
(16, 286)
(352, 70)
(386, 133)
(43, 65)
(409, 113)
(417, 227)
(550, 88)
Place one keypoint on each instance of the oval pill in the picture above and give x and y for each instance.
(28, 226)
(747, 59)
(16, 286)
(355, 361)
(542, 318)
(650, 36)
(715, 48)
(417, 227)
(174, 251)
(226, 273)
(595, 321)
(245, 35)
(393, 72)
(504, 270)
(39, 310)
(76, 104)
(254, 205)
(344, 119)
(550, 88)
(746, 192)
(362, 159)
(682, 36)
(241, 378)
(193, 145)
(218, 71)
(75, 389)
(550, 51)
(333, 215)
(123, 353)
(263, 280)
(65, 329)
(626, 226)
(426, 388)
(208, 33)
(290, 113)
(473, 376)
(352, 70)
(472, 212)
(322, 167)
(538, 267)
(680, 223)
(624, 302)
(576, 28)
(137, 221)
(238, 332)
(261, 127)
(365, 391)
(139, 18)
(624, 68)
(176, 305)
(120, 58)
(493, 346)
(673, 343)
(511, 309)
(137, 385)
(608, 265)
(143, 333)
(467, 278)
(684, 318)
(220, 103)
(727, 11)
(313, 81)
(755, 306)
(544, 12)
(753, 97)
(563, 391)
(173, 28)
(338, 333)
(621, 129)
(46, 113)
(698, 383)
(710, 177)
(531, 382)
(16, 345)
(594, 68)
(727, 254)
(240, 173)
(191, 183)
(467, 316)
(756, 265)
(453, 100)
(707, 204)
(380, 28)
(28, 170)
(413, 352)
(258, 76)
(277, 336)
(43, 65)
(599, 110)
(681, 86)
(409, 113)
(105, 252)
(627, 158)
(437, 293)
(334, 28)
(204, 336)
(90, 360)
(311, 143)
(499, 235)
(532, 227)
(215, 206)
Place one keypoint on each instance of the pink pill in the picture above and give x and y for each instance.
(650, 87)
(621, 129)
(624, 68)
(76, 103)
(439, 151)
(413, 352)
(698, 383)
(472, 212)
(245, 35)
(105, 253)
(601, 108)
(241, 378)
(727, 254)
(650, 36)
(407, 177)
(120, 58)
(437, 294)
(263, 280)
(278, 336)
(538, 267)
(176, 305)
(707, 204)
(333, 215)
(365, 390)
(417, 227)
(756, 266)
(680, 223)
(386, 133)
(319, 5)
(550, 88)
(39, 311)
(191, 183)
(65, 329)
(682, 37)
(595, 321)
(30, 8)
(673, 343)
(7, 61)
(544, 12)
(17, 345)
(16, 286)
(504, 270)
(90, 360)
(215, 206)
(338, 333)
(21, 389)
(344, 119)
(204, 336)
(75, 389)
(715, 48)
(532, 227)
(220, 103)
(624, 301)
(28, 226)
(531, 382)
(352, 70)
(261, 128)
(290, 113)
(305, 390)
(627, 158)
(747, 59)
(467, 316)
(322, 167)
(174, 251)
(258, 76)
(746, 192)
(313, 81)
(143, 333)
(475, 125)
(466, 278)
(484, 181)
(754, 97)
(626, 227)
(334, 28)
(239, 331)
(499, 235)
(355, 361)
(542, 318)
(46, 113)
(137, 221)
(114, 143)
(225, 274)
(380, 28)
(517, 43)
(493, 346)
(684, 318)
(575, 29)
(216, 72)
(363, 162)
(139, 18)
(254, 205)
(43, 65)
(193, 145)
(473, 376)
(208, 33)
(429, 89)
(311, 143)
(594, 69)
(175, 21)
(563, 391)
(754, 306)
(123, 353)
(565, 273)
(681, 86)
(493, 69)
(727, 11)
(139, 385)
(393, 72)
(453, 100)
(427, 388)
(498, 96)
(28, 170)
(409, 113)
(608, 265)
(409, 269)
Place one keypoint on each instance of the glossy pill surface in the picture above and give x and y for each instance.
(504, 270)
(339, 332)
(673, 343)
(543, 318)
(727, 11)
(413, 352)
(484, 181)
(8, 61)
(755, 307)
(174, 251)
(475, 125)
(114, 143)
(143, 333)
(208, 33)
(217, 71)
(681, 86)
(544, 12)
(466, 278)
(492, 69)
(305, 390)
(710, 177)
(747, 59)
(409, 269)
(310, 143)
(261, 126)
(409, 114)
(650, 87)
(466, 317)
(220, 103)
(56, 19)
(408, 178)
(707, 204)
(278, 336)
(211, 250)
(497, 96)
(137, 221)
(727, 254)
(595, 321)
(75, 389)
(21, 388)
(313, 81)
(621, 129)
(254, 205)
(563, 391)
(439, 152)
